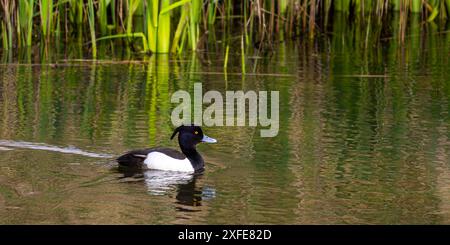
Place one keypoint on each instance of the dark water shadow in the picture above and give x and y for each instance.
(187, 187)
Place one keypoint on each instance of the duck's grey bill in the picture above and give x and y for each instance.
(208, 139)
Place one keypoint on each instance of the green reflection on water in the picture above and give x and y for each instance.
(364, 136)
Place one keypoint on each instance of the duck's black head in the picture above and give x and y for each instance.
(189, 136)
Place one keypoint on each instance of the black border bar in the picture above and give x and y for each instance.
(226, 233)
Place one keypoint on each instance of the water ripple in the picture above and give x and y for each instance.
(45, 147)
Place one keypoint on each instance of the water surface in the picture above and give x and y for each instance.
(364, 138)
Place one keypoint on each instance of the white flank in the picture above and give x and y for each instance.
(161, 161)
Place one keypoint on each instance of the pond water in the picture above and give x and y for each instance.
(364, 138)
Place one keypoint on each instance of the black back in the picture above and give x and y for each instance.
(188, 138)
(137, 157)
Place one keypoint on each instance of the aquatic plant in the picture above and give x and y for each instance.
(172, 25)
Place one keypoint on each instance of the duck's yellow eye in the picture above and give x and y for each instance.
(196, 132)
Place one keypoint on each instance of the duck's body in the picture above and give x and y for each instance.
(162, 159)
(188, 160)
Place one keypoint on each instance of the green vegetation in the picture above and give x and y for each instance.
(364, 121)
(173, 26)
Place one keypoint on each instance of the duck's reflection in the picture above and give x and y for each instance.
(162, 182)
(188, 188)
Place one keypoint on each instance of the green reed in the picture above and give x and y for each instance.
(194, 19)
(102, 15)
(176, 25)
(46, 16)
(7, 27)
(25, 18)
(91, 18)
(151, 8)
(163, 29)
(181, 27)
(242, 55)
